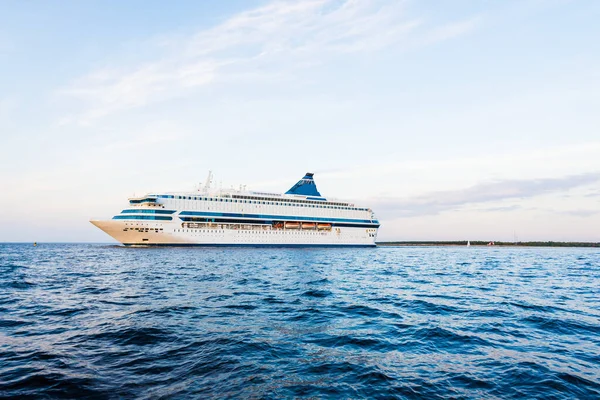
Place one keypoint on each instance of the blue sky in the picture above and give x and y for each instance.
(453, 120)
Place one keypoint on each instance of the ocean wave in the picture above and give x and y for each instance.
(95, 321)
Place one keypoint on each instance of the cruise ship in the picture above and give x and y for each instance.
(299, 217)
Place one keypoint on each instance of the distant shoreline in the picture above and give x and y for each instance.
(485, 243)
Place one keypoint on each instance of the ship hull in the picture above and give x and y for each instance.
(172, 234)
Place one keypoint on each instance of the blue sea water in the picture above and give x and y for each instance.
(103, 321)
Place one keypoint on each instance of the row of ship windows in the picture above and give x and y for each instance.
(297, 203)
(144, 229)
(249, 231)
(331, 203)
(157, 230)
(143, 211)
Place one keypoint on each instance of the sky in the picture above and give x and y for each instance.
(452, 120)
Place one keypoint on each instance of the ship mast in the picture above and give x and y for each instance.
(208, 181)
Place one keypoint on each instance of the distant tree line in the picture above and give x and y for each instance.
(485, 243)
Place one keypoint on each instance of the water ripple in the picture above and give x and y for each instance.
(100, 321)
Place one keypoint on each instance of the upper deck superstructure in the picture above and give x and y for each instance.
(301, 216)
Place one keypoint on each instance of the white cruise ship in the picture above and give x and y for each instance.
(300, 217)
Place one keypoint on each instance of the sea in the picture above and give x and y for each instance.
(102, 321)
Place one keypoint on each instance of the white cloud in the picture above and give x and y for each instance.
(266, 42)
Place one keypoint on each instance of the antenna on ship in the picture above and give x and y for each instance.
(208, 181)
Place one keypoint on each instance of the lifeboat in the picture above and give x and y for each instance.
(324, 226)
(309, 225)
(292, 225)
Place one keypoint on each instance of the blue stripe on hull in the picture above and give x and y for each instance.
(280, 245)
(213, 214)
(145, 217)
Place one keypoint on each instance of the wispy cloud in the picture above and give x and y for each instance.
(436, 202)
(514, 207)
(266, 42)
(112, 90)
(580, 212)
(593, 194)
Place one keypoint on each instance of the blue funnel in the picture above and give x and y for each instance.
(305, 186)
